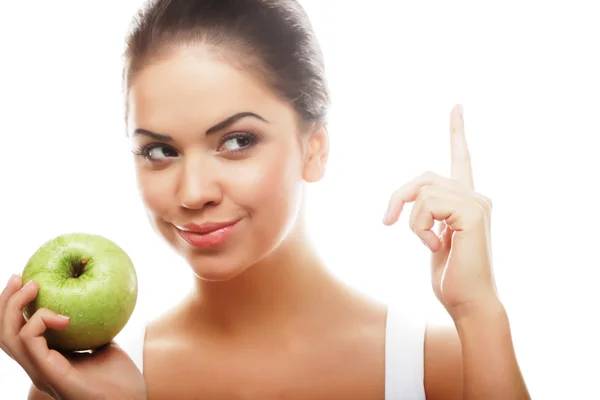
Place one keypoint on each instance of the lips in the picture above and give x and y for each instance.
(206, 227)
(207, 235)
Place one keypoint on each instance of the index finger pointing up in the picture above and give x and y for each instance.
(461, 159)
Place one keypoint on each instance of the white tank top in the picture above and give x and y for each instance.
(404, 354)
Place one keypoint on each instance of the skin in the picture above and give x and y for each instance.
(266, 319)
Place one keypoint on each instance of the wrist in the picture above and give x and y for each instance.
(478, 311)
(490, 367)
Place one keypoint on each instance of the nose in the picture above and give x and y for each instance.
(198, 185)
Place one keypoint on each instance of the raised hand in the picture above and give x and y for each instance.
(461, 273)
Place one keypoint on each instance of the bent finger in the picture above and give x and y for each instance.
(12, 286)
(32, 334)
(433, 193)
(50, 363)
(429, 212)
(13, 319)
(408, 193)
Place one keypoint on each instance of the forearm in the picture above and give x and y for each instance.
(490, 367)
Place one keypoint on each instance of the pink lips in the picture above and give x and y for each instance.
(207, 235)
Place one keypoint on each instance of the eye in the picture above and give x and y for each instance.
(159, 153)
(238, 141)
(156, 152)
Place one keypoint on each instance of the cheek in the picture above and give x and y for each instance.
(154, 188)
(271, 186)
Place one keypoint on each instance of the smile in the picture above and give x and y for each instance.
(207, 235)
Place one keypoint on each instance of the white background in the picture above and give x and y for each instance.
(527, 73)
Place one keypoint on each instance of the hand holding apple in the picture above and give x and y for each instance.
(100, 303)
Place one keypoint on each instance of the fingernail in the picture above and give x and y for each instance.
(385, 216)
(460, 110)
(425, 243)
(63, 316)
(28, 285)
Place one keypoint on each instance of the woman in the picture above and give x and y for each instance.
(226, 110)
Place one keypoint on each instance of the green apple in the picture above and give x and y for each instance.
(87, 278)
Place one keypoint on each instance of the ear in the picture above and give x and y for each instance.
(317, 153)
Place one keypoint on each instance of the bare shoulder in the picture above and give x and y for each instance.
(443, 363)
(167, 351)
(161, 337)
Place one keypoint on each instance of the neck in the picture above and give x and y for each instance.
(286, 285)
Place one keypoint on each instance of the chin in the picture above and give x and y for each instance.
(215, 270)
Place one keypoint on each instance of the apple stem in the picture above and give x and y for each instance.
(79, 267)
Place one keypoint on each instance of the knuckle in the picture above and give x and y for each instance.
(426, 192)
(487, 207)
(40, 314)
(15, 301)
(412, 225)
(23, 336)
(10, 303)
(429, 175)
(489, 202)
(427, 202)
(42, 311)
(480, 212)
(485, 202)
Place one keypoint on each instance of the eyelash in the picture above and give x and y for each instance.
(251, 137)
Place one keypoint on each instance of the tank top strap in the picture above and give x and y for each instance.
(404, 354)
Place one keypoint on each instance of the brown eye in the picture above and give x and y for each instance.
(237, 142)
(159, 153)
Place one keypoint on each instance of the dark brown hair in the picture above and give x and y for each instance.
(273, 38)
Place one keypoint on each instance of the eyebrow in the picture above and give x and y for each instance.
(220, 126)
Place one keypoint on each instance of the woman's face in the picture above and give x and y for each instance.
(218, 160)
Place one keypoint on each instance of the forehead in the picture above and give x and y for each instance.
(194, 87)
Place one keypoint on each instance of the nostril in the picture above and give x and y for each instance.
(198, 205)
